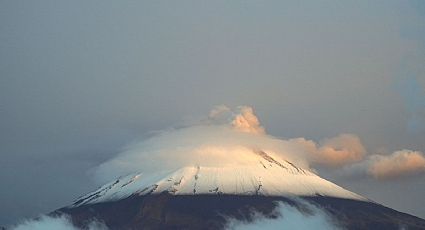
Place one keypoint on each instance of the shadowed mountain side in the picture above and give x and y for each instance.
(166, 211)
(354, 214)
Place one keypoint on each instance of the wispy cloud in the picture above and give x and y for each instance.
(288, 218)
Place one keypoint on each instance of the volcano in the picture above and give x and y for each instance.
(206, 197)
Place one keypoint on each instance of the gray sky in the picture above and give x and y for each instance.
(81, 79)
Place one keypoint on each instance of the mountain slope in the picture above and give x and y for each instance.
(205, 197)
(268, 177)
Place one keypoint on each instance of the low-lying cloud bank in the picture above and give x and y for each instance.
(288, 218)
(228, 136)
(54, 223)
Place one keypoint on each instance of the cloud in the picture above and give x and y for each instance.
(343, 149)
(334, 152)
(288, 218)
(206, 145)
(246, 121)
(228, 136)
(399, 163)
(219, 112)
(242, 118)
(54, 223)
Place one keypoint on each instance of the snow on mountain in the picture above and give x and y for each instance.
(269, 176)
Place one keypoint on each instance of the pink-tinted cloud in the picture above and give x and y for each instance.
(242, 118)
(399, 163)
(333, 152)
(340, 150)
(247, 121)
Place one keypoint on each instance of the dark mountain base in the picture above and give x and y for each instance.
(167, 211)
(354, 214)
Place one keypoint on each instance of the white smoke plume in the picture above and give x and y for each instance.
(289, 218)
(242, 119)
(54, 223)
(246, 121)
(225, 138)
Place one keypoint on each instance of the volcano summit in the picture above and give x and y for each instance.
(228, 170)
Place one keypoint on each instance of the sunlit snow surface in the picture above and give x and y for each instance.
(269, 177)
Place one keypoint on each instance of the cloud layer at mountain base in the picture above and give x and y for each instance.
(54, 223)
(288, 217)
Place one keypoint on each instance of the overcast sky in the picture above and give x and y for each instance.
(81, 79)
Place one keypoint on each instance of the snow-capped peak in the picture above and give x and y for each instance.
(268, 176)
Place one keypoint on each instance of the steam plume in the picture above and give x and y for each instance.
(246, 121)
